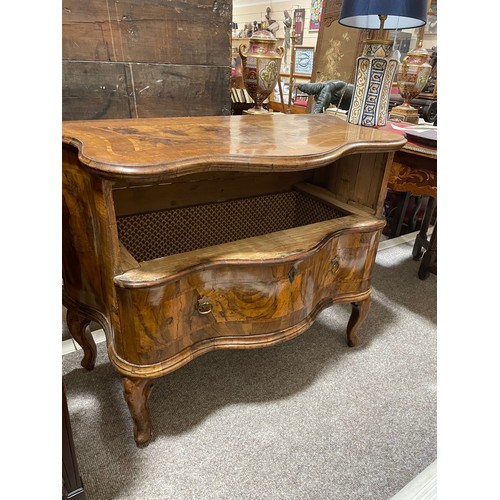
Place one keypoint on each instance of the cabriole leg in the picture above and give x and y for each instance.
(77, 326)
(136, 392)
(359, 311)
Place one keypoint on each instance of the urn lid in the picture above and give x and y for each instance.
(263, 35)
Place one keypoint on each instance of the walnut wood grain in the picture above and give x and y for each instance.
(277, 247)
(169, 147)
(136, 392)
(254, 290)
(254, 301)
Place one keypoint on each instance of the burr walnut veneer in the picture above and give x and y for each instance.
(184, 235)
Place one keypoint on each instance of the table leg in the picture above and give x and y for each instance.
(137, 392)
(421, 239)
(429, 260)
(398, 219)
(412, 223)
(359, 311)
(77, 326)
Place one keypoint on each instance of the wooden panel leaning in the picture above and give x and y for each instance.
(163, 217)
(145, 59)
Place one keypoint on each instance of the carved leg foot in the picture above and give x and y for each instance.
(358, 315)
(77, 326)
(136, 392)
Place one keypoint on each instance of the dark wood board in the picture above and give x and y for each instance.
(96, 90)
(148, 58)
(175, 32)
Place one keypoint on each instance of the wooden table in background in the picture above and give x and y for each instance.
(414, 171)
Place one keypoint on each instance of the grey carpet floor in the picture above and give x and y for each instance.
(308, 419)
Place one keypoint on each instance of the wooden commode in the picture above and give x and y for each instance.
(184, 235)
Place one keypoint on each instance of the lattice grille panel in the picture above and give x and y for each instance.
(167, 232)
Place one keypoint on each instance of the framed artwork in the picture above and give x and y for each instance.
(303, 58)
(336, 51)
(331, 9)
(315, 14)
(431, 26)
(299, 16)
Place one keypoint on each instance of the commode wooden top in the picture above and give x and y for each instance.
(171, 147)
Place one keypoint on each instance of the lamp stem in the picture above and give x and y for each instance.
(420, 38)
(382, 34)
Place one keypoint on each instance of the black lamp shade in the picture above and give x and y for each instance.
(401, 14)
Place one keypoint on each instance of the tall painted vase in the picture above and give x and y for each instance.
(261, 67)
(375, 71)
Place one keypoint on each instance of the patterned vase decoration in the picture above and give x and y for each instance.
(375, 71)
(261, 67)
(412, 76)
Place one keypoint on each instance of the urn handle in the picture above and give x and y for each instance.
(404, 62)
(241, 48)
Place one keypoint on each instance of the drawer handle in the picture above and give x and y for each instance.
(204, 305)
(335, 264)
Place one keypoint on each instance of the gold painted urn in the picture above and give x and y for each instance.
(411, 78)
(261, 67)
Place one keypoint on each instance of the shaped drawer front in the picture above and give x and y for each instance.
(242, 303)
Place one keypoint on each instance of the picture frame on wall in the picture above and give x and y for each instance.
(431, 25)
(303, 58)
(299, 16)
(316, 6)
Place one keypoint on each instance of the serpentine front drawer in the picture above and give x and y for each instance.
(229, 298)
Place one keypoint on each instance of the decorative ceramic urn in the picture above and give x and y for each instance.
(261, 67)
(412, 76)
